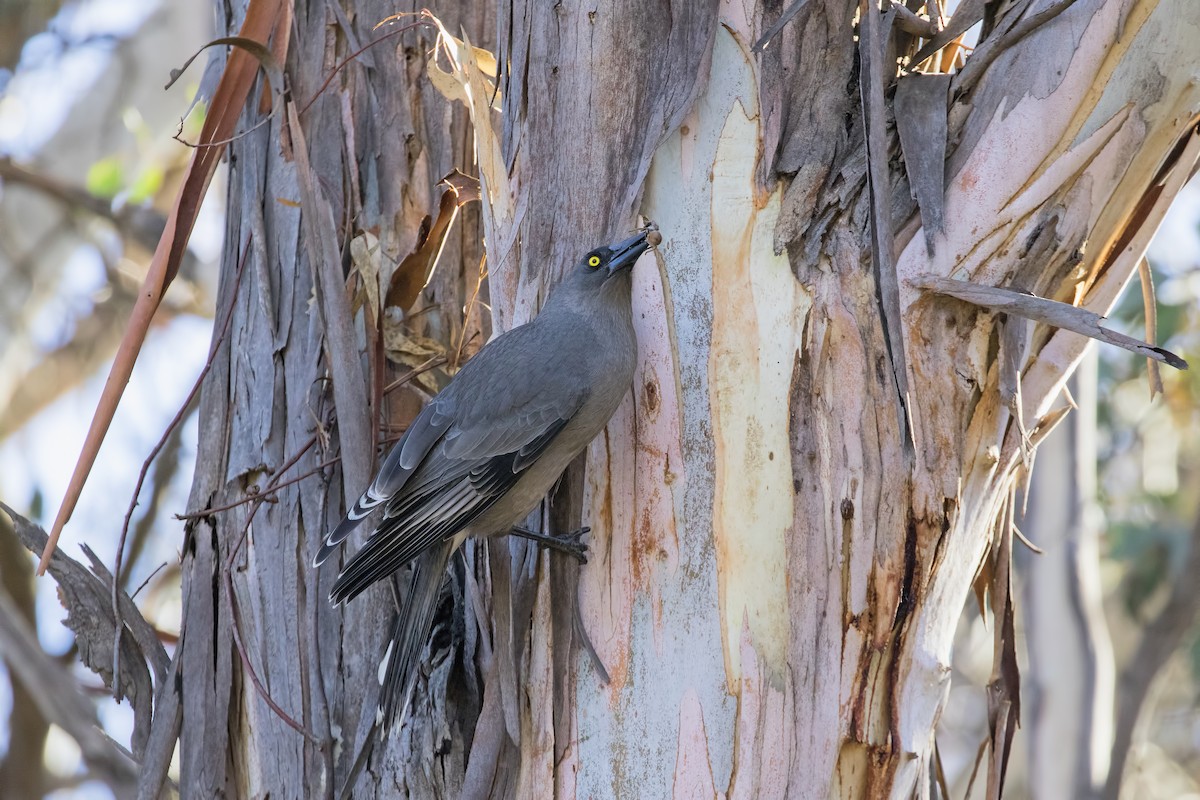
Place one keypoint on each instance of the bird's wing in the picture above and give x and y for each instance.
(464, 452)
(508, 395)
(425, 431)
(439, 503)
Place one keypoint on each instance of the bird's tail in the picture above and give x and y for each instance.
(354, 515)
(410, 634)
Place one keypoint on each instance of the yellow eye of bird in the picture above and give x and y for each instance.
(594, 261)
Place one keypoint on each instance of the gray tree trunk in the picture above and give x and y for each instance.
(1071, 675)
(815, 466)
(378, 139)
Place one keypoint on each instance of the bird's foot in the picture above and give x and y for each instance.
(569, 543)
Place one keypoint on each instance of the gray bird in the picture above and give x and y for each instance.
(484, 451)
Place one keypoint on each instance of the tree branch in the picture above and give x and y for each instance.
(22, 770)
(60, 700)
(85, 593)
(137, 223)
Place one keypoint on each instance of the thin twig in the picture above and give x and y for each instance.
(227, 579)
(178, 135)
(415, 372)
(119, 626)
(1025, 540)
(975, 770)
(164, 471)
(146, 582)
(1150, 305)
(267, 62)
(263, 495)
(1049, 312)
(324, 85)
(483, 273)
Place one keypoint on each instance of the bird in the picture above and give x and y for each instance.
(488, 447)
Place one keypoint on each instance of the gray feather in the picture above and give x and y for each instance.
(398, 670)
(479, 456)
(434, 510)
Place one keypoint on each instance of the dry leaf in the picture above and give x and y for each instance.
(366, 259)
(414, 272)
(412, 352)
(467, 81)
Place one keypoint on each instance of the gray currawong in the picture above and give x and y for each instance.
(484, 451)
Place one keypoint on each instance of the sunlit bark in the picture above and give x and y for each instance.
(781, 549)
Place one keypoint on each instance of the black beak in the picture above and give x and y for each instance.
(626, 253)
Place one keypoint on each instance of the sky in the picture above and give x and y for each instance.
(33, 105)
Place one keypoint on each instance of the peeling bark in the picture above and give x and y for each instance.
(377, 141)
(776, 573)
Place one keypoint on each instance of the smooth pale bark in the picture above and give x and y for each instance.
(775, 575)
(778, 607)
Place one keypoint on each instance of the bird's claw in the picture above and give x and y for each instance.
(570, 544)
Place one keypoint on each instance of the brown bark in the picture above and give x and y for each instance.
(22, 770)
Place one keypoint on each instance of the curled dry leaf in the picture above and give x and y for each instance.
(468, 81)
(411, 275)
(366, 259)
(414, 352)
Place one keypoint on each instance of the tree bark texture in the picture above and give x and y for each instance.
(376, 142)
(783, 540)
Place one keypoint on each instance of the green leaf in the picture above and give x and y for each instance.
(147, 184)
(105, 178)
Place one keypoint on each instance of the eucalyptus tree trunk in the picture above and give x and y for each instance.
(299, 380)
(815, 465)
